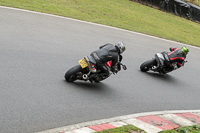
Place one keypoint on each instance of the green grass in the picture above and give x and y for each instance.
(118, 13)
(133, 129)
(186, 129)
(124, 129)
(196, 2)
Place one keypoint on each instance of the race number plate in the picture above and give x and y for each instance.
(83, 63)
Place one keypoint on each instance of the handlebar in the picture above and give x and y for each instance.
(123, 66)
(118, 66)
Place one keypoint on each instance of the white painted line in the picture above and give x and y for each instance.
(156, 113)
(81, 130)
(118, 124)
(144, 126)
(97, 25)
(197, 114)
(177, 120)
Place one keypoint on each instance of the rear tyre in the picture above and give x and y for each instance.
(71, 74)
(147, 65)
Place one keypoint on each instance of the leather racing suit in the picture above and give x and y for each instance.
(175, 56)
(105, 53)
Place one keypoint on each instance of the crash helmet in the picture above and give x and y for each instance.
(185, 50)
(121, 47)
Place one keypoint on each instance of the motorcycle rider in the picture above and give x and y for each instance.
(108, 52)
(176, 57)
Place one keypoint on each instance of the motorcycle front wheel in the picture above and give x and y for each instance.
(147, 65)
(71, 74)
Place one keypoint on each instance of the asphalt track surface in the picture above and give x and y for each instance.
(35, 52)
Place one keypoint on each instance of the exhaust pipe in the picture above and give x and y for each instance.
(85, 76)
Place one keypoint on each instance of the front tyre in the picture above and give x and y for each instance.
(71, 74)
(147, 65)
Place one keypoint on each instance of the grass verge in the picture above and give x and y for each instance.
(196, 2)
(123, 14)
(186, 129)
(133, 129)
(124, 129)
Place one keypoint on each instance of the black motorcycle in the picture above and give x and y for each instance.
(87, 70)
(159, 64)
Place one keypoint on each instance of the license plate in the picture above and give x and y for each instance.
(83, 63)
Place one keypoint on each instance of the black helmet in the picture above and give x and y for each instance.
(121, 47)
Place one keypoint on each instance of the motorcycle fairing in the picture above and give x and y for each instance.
(109, 63)
(160, 59)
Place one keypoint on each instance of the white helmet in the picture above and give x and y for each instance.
(121, 47)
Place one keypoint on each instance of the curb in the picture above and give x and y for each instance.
(151, 122)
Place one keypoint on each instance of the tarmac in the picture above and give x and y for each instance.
(151, 122)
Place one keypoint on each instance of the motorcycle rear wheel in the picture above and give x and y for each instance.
(71, 74)
(147, 65)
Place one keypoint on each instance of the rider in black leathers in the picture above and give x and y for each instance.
(108, 52)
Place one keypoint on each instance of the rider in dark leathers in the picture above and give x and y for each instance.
(176, 56)
(108, 52)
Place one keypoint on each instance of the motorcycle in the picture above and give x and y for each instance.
(87, 70)
(158, 64)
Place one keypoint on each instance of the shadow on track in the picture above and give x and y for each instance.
(164, 77)
(89, 86)
(98, 90)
